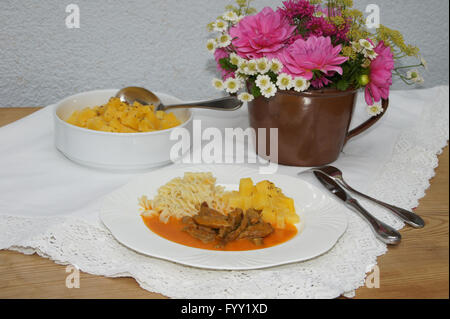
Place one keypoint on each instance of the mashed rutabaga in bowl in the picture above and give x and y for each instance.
(95, 129)
(120, 117)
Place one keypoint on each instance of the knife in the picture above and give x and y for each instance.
(384, 232)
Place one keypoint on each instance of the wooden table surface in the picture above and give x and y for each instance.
(418, 268)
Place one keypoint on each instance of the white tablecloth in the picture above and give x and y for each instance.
(49, 205)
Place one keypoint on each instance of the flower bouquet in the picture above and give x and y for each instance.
(305, 49)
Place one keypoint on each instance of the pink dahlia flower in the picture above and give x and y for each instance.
(380, 75)
(315, 53)
(261, 35)
(218, 55)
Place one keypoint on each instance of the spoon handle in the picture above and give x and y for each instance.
(407, 216)
(229, 103)
(384, 232)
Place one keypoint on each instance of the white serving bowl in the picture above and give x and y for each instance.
(113, 151)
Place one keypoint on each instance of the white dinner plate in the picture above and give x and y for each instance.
(323, 221)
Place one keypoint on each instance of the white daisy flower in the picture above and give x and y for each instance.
(263, 65)
(223, 41)
(232, 85)
(374, 110)
(365, 47)
(246, 97)
(252, 67)
(424, 63)
(230, 16)
(356, 46)
(218, 84)
(370, 54)
(300, 84)
(235, 59)
(284, 81)
(263, 81)
(241, 77)
(414, 76)
(211, 45)
(365, 44)
(220, 26)
(242, 66)
(239, 19)
(269, 91)
(276, 66)
(411, 74)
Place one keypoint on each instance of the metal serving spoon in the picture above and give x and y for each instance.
(408, 217)
(146, 97)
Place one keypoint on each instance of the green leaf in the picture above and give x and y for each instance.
(365, 71)
(227, 65)
(342, 85)
(272, 76)
(256, 92)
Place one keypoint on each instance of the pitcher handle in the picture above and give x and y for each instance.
(367, 124)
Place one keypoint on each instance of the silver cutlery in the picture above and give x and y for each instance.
(384, 232)
(146, 97)
(408, 217)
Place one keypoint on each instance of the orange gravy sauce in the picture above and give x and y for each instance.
(173, 231)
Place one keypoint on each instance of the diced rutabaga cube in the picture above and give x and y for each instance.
(246, 187)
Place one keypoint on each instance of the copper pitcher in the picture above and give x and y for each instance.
(313, 126)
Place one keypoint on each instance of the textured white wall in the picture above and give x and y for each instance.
(154, 43)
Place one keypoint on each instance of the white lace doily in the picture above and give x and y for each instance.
(90, 246)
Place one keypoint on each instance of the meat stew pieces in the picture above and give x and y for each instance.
(210, 225)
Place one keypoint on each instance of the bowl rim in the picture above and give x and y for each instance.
(71, 126)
